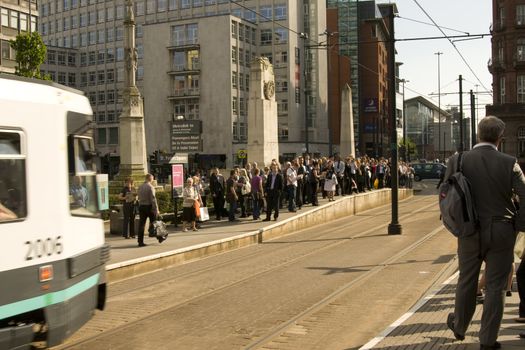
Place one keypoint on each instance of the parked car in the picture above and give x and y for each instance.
(428, 170)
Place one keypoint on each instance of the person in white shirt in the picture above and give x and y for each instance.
(339, 170)
(291, 186)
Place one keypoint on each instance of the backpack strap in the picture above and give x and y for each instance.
(460, 163)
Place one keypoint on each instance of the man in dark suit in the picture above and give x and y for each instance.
(493, 177)
(273, 189)
(217, 187)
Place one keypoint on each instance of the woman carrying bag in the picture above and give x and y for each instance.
(190, 202)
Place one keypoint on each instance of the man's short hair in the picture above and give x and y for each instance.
(490, 129)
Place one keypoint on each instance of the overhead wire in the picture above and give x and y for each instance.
(452, 43)
(430, 24)
(321, 45)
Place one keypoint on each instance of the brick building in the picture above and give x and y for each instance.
(507, 66)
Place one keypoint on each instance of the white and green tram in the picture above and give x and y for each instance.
(53, 253)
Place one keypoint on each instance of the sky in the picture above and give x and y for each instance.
(420, 64)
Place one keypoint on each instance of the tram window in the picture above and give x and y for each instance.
(13, 204)
(83, 200)
(82, 178)
(82, 155)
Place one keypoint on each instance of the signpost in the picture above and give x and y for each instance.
(242, 154)
(179, 158)
(177, 184)
(186, 136)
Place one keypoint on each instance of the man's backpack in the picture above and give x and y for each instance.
(456, 205)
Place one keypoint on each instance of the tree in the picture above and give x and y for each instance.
(30, 54)
(411, 151)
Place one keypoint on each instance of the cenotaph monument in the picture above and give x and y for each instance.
(347, 143)
(263, 143)
(132, 139)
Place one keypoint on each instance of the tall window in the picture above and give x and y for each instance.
(521, 141)
(501, 51)
(279, 12)
(266, 36)
(502, 90)
(281, 35)
(520, 15)
(520, 49)
(502, 17)
(520, 91)
(192, 33)
(266, 14)
(151, 6)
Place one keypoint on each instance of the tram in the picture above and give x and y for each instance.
(53, 252)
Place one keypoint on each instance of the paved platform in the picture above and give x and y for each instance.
(128, 260)
(423, 326)
(124, 250)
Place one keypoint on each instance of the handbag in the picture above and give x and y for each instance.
(159, 228)
(204, 216)
(197, 206)
(246, 189)
(519, 246)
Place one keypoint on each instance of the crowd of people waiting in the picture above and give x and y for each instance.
(253, 190)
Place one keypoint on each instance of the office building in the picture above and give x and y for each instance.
(193, 65)
(16, 16)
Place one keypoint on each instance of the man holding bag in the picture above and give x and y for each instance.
(148, 208)
(493, 177)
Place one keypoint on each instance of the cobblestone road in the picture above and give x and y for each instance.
(334, 286)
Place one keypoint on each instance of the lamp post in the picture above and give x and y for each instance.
(403, 81)
(329, 34)
(304, 36)
(439, 104)
(394, 228)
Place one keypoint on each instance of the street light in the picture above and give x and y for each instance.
(304, 36)
(329, 47)
(439, 105)
(403, 81)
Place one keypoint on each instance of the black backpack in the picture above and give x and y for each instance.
(456, 205)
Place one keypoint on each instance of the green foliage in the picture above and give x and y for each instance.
(30, 54)
(411, 147)
(164, 201)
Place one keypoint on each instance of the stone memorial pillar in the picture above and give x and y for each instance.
(132, 139)
(347, 145)
(263, 142)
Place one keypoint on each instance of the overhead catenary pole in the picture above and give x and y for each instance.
(461, 144)
(304, 36)
(404, 81)
(394, 228)
(439, 103)
(472, 119)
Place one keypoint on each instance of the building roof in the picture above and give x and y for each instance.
(426, 102)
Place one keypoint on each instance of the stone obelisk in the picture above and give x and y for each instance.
(132, 136)
(347, 143)
(263, 143)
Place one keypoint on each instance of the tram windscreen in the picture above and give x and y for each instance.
(13, 204)
(83, 200)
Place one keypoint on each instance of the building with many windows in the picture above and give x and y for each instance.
(507, 66)
(16, 16)
(193, 64)
(422, 117)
